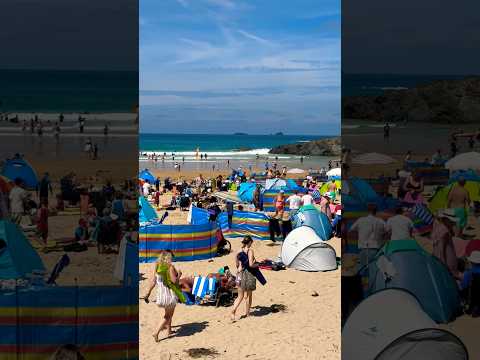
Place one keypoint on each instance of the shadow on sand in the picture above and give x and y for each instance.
(267, 310)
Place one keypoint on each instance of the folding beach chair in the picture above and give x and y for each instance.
(205, 289)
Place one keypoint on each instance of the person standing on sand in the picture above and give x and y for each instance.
(280, 203)
(294, 202)
(245, 262)
(44, 187)
(386, 131)
(105, 130)
(371, 234)
(166, 278)
(17, 197)
(459, 201)
(42, 221)
(88, 148)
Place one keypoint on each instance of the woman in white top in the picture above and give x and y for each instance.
(166, 279)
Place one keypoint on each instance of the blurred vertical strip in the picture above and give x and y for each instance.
(410, 180)
(68, 176)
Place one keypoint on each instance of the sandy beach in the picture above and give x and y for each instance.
(423, 140)
(309, 328)
(116, 163)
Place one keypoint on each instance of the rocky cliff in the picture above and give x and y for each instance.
(447, 101)
(322, 147)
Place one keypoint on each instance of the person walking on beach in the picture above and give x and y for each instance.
(105, 130)
(166, 278)
(245, 262)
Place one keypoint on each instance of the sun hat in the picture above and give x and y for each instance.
(474, 257)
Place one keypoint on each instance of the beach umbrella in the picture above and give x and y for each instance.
(465, 161)
(334, 172)
(373, 159)
(295, 171)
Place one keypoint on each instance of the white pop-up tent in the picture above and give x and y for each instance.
(391, 324)
(304, 250)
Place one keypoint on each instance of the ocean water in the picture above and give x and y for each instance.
(224, 151)
(376, 84)
(187, 144)
(68, 91)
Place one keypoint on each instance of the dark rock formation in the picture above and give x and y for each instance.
(445, 101)
(322, 147)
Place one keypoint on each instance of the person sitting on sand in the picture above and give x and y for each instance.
(459, 201)
(81, 232)
(245, 261)
(166, 278)
(280, 204)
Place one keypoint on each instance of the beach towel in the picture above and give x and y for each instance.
(203, 286)
(162, 270)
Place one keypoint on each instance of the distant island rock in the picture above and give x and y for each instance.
(279, 133)
(322, 147)
(443, 101)
(240, 133)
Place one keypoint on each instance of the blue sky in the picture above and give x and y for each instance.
(221, 66)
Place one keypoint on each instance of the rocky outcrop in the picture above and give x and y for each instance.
(446, 101)
(322, 147)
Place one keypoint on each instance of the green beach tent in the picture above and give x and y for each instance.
(440, 199)
(324, 187)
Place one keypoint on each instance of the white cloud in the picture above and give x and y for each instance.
(254, 37)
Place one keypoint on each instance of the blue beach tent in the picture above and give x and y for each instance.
(17, 257)
(404, 264)
(19, 168)
(246, 190)
(310, 216)
(146, 212)
(147, 176)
